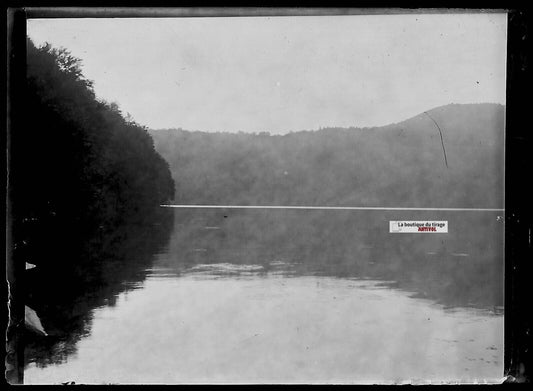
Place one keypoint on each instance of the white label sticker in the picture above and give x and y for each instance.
(418, 226)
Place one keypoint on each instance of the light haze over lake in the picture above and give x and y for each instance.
(228, 299)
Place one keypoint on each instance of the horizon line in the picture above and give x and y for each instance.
(303, 207)
(322, 127)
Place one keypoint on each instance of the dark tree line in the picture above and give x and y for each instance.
(77, 165)
(401, 164)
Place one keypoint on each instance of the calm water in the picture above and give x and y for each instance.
(276, 296)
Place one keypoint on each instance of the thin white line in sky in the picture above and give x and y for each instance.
(326, 207)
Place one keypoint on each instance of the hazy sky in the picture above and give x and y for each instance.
(279, 74)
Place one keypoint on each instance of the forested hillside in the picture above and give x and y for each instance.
(400, 164)
(77, 165)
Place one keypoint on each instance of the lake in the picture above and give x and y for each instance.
(275, 296)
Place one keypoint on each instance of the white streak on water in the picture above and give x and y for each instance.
(324, 207)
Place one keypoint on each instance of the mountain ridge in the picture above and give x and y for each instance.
(399, 164)
(435, 109)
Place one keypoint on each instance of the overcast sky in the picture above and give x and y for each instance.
(279, 74)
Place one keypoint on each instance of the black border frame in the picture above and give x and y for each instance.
(518, 224)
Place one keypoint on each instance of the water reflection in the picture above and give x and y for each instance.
(463, 268)
(88, 273)
(227, 295)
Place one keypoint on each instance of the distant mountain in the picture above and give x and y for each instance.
(401, 164)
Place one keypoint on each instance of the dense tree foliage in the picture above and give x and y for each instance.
(396, 165)
(77, 163)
